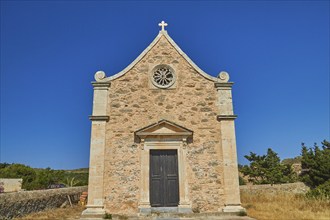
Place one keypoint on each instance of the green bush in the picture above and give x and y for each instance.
(242, 213)
(241, 181)
(27, 173)
(107, 216)
(42, 178)
(321, 192)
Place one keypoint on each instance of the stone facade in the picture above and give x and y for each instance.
(194, 116)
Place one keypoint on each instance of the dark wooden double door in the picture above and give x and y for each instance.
(164, 179)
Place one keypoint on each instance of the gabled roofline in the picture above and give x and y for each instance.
(102, 78)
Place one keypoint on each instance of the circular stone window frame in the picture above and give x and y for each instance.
(156, 83)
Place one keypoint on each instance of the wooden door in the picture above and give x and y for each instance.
(164, 180)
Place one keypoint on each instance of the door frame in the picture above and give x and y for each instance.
(172, 143)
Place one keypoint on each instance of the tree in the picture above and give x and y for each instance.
(42, 178)
(3, 165)
(267, 169)
(295, 160)
(241, 181)
(315, 164)
(46, 177)
(20, 171)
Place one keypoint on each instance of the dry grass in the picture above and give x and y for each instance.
(59, 213)
(286, 206)
(262, 206)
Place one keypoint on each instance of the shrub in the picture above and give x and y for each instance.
(321, 192)
(241, 181)
(27, 173)
(107, 216)
(242, 213)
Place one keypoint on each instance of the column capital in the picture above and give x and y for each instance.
(99, 118)
(223, 85)
(101, 85)
(226, 117)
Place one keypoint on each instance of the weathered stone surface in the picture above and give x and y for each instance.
(191, 106)
(122, 178)
(25, 202)
(295, 188)
(11, 185)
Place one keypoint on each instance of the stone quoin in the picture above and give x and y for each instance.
(163, 137)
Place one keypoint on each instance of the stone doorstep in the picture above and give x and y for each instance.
(174, 216)
(115, 217)
(92, 212)
(189, 215)
(91, 217)
(185, 216)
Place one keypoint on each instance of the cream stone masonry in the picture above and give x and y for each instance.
(226, 118)
(11, 185)
(96, 166)
(100, 76)
(163, 137)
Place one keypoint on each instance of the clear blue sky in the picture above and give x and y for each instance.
(276, 52)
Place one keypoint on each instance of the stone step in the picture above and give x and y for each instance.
(190, 215)
(173, 216)
(209, 218)
(88, 218)
(193, 216)
(91, 217)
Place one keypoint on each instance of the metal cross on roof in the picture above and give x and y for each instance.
(163, 25)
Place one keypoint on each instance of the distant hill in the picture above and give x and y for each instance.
(80, 170)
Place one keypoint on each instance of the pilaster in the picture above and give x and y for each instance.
(185, 203)
(144, 204)
(99, 119)
(226, 119)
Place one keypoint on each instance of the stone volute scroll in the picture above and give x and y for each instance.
(225, 97)
(223, 76)
(99, 75)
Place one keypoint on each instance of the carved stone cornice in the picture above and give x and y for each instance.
(226, 117)
(99, 118)
(101, 85)
(223, 85)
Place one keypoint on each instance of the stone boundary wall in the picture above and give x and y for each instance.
(295, 188)
(17, 204)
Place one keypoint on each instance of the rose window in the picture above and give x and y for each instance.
(163, 76)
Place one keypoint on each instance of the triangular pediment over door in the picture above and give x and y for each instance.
(163, 128)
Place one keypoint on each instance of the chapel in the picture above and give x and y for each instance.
(162, 137)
